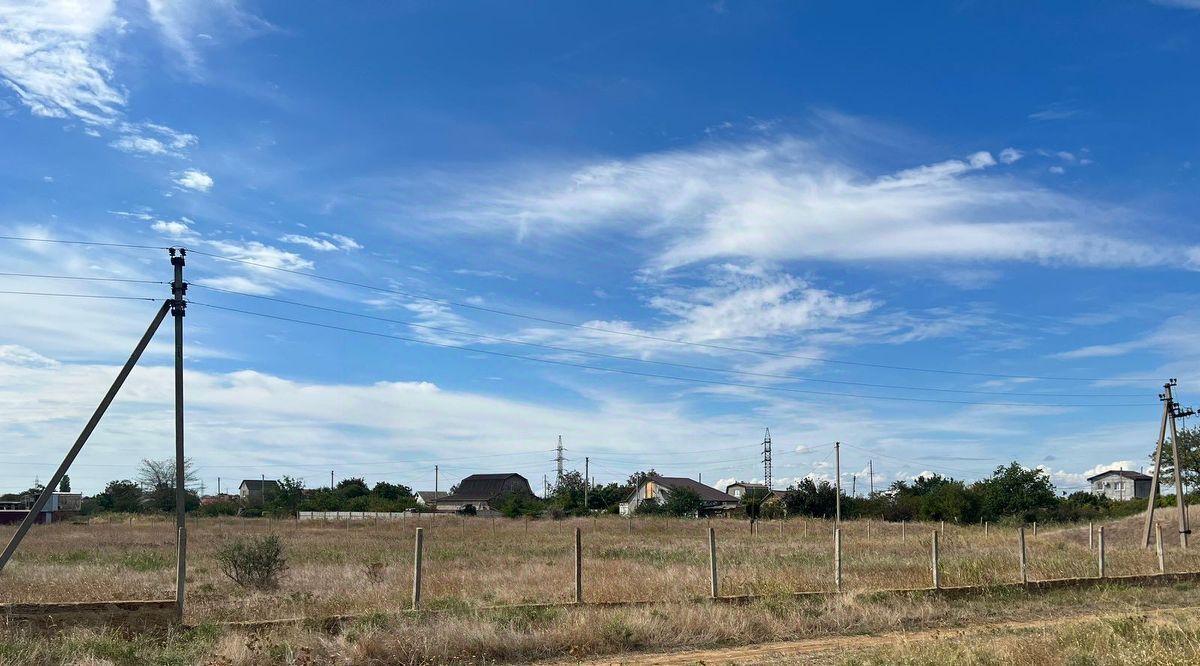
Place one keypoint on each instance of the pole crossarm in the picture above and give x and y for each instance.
(83, 436)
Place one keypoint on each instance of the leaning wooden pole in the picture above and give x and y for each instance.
(1162, 433)
(83, 436)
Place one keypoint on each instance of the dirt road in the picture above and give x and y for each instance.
(821, 650)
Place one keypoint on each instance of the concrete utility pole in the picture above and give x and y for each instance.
(179, 310)
(331, 479)
(586, 483)
(837, 473)
(871, 473)
(1171, 412)
(854, 485)
(1180, 495)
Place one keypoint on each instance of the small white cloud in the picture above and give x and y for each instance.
(172, 228)
(318, 244)
(1057, 170)
(194, 179)
(47, 179)
(343, 242)
(1010, 155)
(144, 145)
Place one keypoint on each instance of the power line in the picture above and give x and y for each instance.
(636, 373)
(62, 295)
(81, 278)
(644, 336)
(79, 242)
(557, 322)
(617, 357)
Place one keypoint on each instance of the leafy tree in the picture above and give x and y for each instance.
(1189, 456)
(682, 502)
(285, 500)
(649, 506)
(608, 497)
(752, 502)
(392, 491)
(1015, 491)
(568, 492)
(162, 498)
(515, 505)
(352, 487)
(120, 496)
(64, 486)
(468, 510)
(810, 498)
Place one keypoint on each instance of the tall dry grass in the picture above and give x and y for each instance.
(363, 567)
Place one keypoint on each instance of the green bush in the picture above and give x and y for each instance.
(255, 563)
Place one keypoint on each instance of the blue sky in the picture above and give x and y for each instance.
(782, 197)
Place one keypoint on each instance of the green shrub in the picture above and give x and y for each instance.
(255, 562)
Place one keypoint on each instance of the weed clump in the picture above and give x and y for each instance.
(254, 562)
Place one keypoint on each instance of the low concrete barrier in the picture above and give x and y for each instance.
(121, 615)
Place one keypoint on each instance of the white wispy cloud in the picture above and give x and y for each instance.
(173, 228)
(194, 179)
(51, 57)
(787, 200)
(327, 243)
(57, 57)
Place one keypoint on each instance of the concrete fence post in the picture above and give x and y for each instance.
(1035, 528)
(806, 528)
(714, 585)
(1100, 552)
(985, 528)
(180, 575)
(942, 527)
(1158, 542)
(1091, 534)
(1021, 550)
(902, 531)
(418, 553)
(868, 530)
(578, 566)
(837, 558)
(937, 574)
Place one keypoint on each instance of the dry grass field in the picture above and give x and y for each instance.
(474, 564)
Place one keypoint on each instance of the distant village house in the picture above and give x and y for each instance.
(1119, 484)
(257, 490)
(482, 491)
(658, 488)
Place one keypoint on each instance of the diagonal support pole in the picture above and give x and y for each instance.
(83, 436)
(1162, 433)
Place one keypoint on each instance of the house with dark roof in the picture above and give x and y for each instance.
(430, 497)
(481, 490)
(257, 490)
(739, 489)
(658, 488)
(1121, 484)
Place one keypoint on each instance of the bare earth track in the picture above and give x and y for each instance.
(820, 650)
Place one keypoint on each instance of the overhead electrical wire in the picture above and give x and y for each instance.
(63, 295)
(675, 364)
(645, 336)
(557, 322)
(79, 242)
(636, 373)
